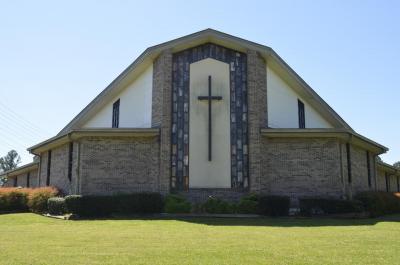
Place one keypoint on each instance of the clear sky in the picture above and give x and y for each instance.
(56, 57)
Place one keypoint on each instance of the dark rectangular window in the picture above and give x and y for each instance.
(387, 182)
(302, 116)
(28, 176)
(48, 168)
(398, 184)
(115, 114)
(15, 181)
(70, 153)
(369, 170)
(348, 162)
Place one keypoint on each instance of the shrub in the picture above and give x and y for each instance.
(97, 206)
(73, 203)
(215, 205)
(274, 205)
(143, 203)
(13, 199)
(315, 205)
(56, 206)
(37, 199)
(248, 204)
(177, 204)
(379, 203)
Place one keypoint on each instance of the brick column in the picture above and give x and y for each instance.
(161, 114)
(257, 106)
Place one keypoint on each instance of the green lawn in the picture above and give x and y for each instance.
(33, 239)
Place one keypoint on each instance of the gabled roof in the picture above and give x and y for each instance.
(205, 36)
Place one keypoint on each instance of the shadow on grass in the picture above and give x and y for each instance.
(263, 221)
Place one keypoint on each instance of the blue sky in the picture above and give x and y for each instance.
(56, 57)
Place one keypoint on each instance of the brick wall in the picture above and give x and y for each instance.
(9, 183)
(42, 169)
(59, 169)
(22, 180)
(393, 183)
(301, 167)
(161, 115)
(257, 114)
(359, 170)
(33, 179)
(114, 165)
(381, 181)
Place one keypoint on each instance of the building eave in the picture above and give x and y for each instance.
(20, 170)
(388, 168)
(75, 135)
(344, 135)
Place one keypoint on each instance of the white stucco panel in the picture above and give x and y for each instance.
(135, 105)
(283, 106)
(202, 172)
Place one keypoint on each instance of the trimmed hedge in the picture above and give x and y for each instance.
(273, 205)
(379, 203)
(248, 204)
(24, 199)
(315, 205)
(218, 206)
(177, 204)
(98, 206)
(73, 203)
(56, 206)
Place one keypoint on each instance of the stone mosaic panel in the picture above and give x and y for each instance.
(180, 113)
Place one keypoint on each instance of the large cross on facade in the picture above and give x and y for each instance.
(209, 98)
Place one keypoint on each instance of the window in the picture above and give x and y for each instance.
(387, 182)
(28, 176)
(115, 114)
(302, 118)
(398, 184)
(15, 181)
(348, 162)
(70, 153)
(369, 170)
(48, 168)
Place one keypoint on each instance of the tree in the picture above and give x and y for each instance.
(397, 164)
(8, 162)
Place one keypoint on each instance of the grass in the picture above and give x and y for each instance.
(33, 239)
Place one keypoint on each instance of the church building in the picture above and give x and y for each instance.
(209, 114)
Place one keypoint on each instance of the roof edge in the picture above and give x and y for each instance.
(343, 134)
(384, 165)
(25, 168)
(92, 132)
